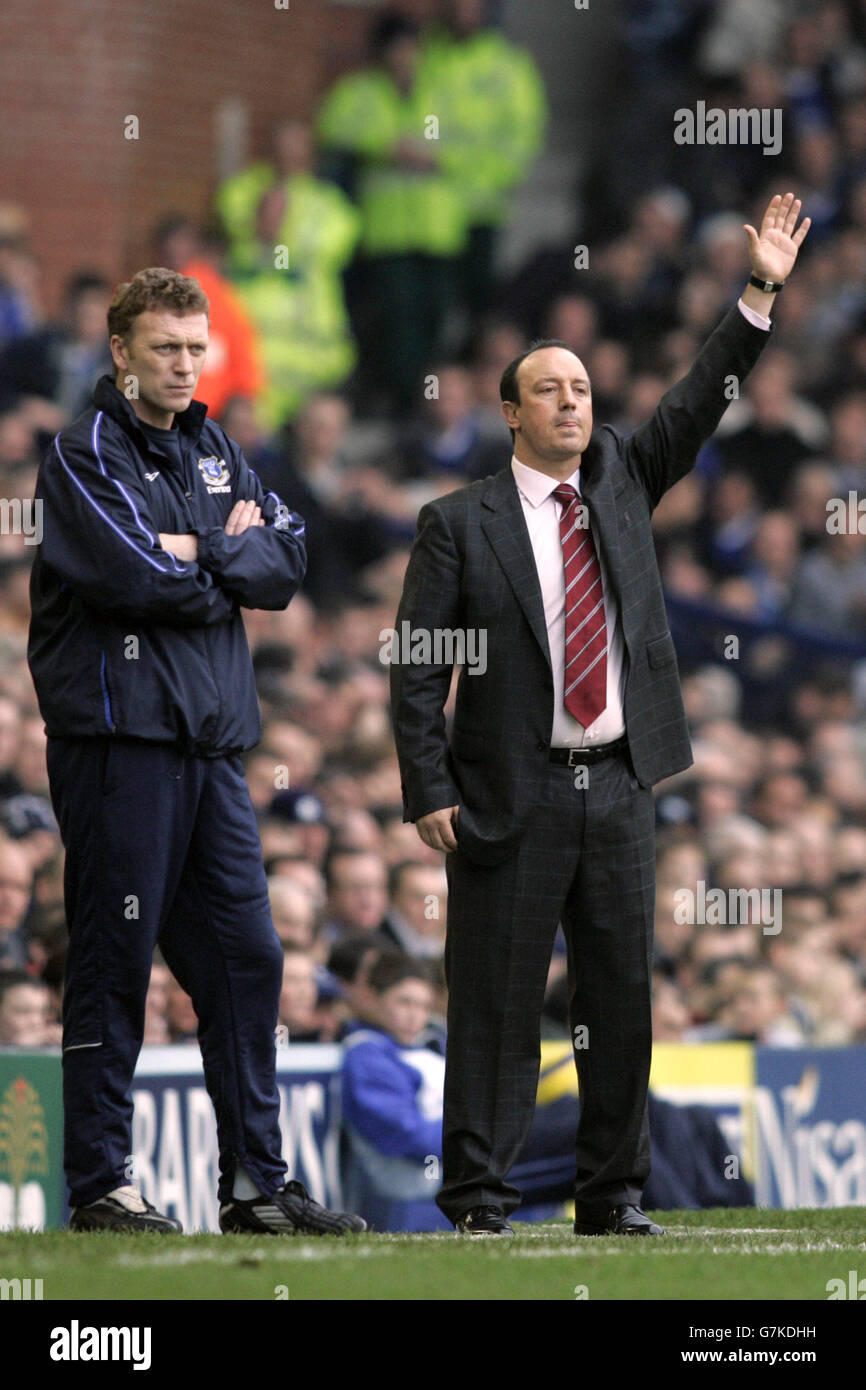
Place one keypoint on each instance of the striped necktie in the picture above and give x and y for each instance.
(585, 626)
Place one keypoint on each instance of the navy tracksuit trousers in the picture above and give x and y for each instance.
(163, 847)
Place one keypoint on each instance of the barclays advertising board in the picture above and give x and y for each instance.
(175, 1159)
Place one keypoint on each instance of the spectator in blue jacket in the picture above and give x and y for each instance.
(392, 1101)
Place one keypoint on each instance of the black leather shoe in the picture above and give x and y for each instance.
(483, 1221)
(620, 1221)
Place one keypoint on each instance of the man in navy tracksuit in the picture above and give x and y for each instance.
(156, 533)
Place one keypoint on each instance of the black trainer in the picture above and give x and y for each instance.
(290, 1211)
(124, 1210)
(483, 1221)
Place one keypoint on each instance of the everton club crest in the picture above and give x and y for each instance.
(215, 474)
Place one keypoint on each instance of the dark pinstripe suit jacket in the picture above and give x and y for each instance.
(472, 567)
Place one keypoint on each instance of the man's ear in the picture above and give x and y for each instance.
(509, 412)
(119, 352)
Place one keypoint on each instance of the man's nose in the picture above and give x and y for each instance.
(183, 362)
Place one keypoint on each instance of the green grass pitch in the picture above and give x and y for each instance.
(707, 1255)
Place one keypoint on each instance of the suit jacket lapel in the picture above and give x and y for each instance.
(504, 525)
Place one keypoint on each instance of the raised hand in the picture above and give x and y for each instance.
(774, 251)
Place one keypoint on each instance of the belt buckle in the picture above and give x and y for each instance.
(572, 760)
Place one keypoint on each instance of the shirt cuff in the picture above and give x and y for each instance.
(756, 320)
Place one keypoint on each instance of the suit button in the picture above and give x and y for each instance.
(541, 745)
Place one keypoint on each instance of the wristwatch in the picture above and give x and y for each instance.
(768, 286)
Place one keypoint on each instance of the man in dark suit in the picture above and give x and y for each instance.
(543, 799)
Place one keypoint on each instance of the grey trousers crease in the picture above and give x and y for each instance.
(587, 859)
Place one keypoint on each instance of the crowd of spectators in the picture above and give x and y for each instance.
(780, 807)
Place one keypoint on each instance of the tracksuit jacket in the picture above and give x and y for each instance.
(106, 491)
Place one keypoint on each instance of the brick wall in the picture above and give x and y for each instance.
(70, 73)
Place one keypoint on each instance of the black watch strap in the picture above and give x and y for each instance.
(768, 286)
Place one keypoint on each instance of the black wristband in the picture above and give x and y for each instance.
(768, 286)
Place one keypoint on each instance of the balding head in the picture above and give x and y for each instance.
(547, 405)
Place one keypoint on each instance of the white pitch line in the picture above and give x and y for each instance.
(545, 1245)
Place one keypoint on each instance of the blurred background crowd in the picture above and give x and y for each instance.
(360, 322)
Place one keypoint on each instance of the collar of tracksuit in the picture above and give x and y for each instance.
(108, 398)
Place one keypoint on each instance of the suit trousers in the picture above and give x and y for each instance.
(586, 859)
(163, 848)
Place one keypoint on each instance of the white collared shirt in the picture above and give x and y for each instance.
(542, 513)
